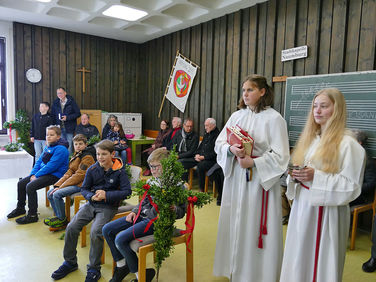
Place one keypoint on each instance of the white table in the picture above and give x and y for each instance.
(15, 164)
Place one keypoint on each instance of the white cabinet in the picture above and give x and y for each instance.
(132, 122)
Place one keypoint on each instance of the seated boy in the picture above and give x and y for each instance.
(72, 180)
(123, 231)
(52, 165)
(106, 184)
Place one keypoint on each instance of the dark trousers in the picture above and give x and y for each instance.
(373, 249)
(187, 164)
(216, 174)
(24, 186)
(202, 168)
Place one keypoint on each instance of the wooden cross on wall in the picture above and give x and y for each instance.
(83, 70)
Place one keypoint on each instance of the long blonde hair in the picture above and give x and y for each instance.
(327, 156)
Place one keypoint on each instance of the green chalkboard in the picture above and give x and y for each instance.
(359, 89)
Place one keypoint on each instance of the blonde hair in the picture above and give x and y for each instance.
(326, 157)
(157, 155)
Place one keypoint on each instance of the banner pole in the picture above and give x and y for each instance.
(168, 83)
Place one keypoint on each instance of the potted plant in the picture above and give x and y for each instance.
(22, 125)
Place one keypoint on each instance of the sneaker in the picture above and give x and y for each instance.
(16, 212)
(370, 265)
(285, 220)
(63, 270)
(29, 218)
(92, 275)
(57, 222)
(120, 273)
(150, 273)
(49, 219)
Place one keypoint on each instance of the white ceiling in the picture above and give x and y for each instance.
(85, 16)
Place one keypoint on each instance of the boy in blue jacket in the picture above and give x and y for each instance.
(106, 184)
(48, 169)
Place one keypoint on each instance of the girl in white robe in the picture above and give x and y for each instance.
(333, 162)
(249, 242)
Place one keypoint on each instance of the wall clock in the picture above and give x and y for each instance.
(33, 75)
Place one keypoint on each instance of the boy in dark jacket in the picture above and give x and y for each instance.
(39, 123)
(52, 165)
(65, 112)
(106, 184)
(123, 231)
(71, 182)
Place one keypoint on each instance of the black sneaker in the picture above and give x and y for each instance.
(63, 270)
(92, 275)
(120, 273)
(370, 265)
(16, 212)
(150, 273)
(29, 218)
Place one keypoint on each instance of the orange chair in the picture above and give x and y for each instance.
(356, 210)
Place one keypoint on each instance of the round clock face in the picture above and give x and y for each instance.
(33, 75)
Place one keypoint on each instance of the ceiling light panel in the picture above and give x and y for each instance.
(124, 13)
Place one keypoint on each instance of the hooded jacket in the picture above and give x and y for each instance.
(53, 160)
(114, 181)
(71, 111)
(78, 165)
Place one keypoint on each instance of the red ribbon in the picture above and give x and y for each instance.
(189, 228)
(146, 187)
(10, 132)
(318, 238)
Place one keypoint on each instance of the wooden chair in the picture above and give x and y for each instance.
(190, 182)
(47, 201)
(146, 246)
(356, 210)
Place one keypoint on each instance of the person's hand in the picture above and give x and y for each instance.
(116, 142)
(54, 190)
(303, 175)
(173, 208)
(32, 139)
(245, 162)
(237, 150)
(153, 146)
(123, 142)
(130, 217)
(32, 178)
(63, 118)
(164, 148)
(197, 158)
(100, 195)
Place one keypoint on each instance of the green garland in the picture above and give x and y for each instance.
(22, 124)
(167, 194)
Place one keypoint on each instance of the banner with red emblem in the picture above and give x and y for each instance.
(180, 83)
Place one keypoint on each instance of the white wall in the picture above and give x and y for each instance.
(6, 30)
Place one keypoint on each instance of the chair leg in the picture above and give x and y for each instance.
(67, 207)
(103, 254)
(206, 183)
(47, 201)
(83, 237)
(113, 266)
(190, 179)
(141, 265)
(189, 261)
(353, 232)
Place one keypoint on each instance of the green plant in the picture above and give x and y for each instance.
(166, 192)
(93, 140)
(142, 136)
(13, 147)
(22, 124)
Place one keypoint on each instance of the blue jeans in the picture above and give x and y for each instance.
(67, 136)
(56, 199)
(39, 146)
(119, 233)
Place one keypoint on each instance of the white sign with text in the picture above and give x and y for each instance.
(294, 53)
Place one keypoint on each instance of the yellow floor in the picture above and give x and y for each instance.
(32, 252)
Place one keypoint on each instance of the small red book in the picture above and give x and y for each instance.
(236, 135)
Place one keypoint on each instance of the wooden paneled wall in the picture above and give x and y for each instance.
(340, 35)
(111, 85)
(132, 78)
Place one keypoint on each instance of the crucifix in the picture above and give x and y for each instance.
(83, 70)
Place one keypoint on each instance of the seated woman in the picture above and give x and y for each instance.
(72, 180)
(111, 120)
(117, 135)
(162, 134)
(120, 233)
